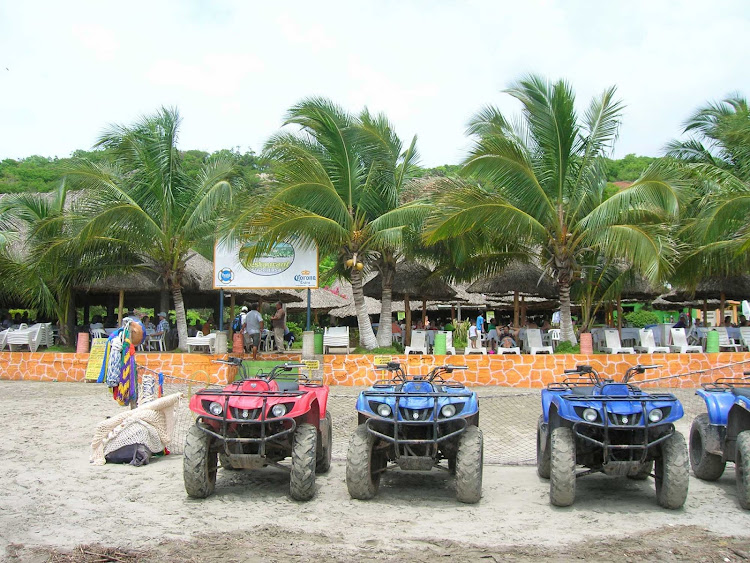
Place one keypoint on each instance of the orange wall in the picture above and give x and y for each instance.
(511, 370)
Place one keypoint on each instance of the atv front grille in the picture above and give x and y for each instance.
(245, 414)
(416, 414)
(624, 419)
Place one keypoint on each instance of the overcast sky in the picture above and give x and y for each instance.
(69, 68)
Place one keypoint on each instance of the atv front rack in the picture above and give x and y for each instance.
(225, 419)
(435, 421)
(607, 426)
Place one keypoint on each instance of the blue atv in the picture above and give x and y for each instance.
(613, 428)
(723, 434)
(415, 422)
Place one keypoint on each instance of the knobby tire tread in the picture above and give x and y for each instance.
(360, 481)
(542, 459)
(706, 466)
(199, 464)
(672, 471)
(742, 469)
(562, 484)
(469, 465)
(302, 478)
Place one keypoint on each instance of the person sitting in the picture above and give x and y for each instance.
(196, 328)
(163, 326)
(395, 328)
(491, 333)
(681, 322)
(546, 325)
(505, 338)
(728, 321)
(146, 322)
(743, 321)
(6, 321)
(96, 323)
(206, 329)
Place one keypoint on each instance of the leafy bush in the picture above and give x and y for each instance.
(642, 318)
(566, 347)
(296, 329)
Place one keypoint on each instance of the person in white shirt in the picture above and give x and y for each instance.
(473, 335)
(252, 327)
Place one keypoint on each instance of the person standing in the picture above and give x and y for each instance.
(278, 322)
(473, 335)
(480, 324)
(252, 328)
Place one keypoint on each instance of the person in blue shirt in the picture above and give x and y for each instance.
(480, 323)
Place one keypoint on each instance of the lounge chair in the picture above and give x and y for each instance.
(648, 343)
(612, 339)
(725, 342)
(418, 342)
(744, 336)
(336, 337)
(31, 337)
(680, 344)
(3, 337)
(534, 340)
(202, 341)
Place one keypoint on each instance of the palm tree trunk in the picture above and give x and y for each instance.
(385, 331)
(366, 335)
(180, 318)
(566, 322)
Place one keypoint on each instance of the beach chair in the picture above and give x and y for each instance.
(479, 350)
(534, 340)
(31, 337)
(725, 342)
(744, 337)
(418, 342)
(449, 348)
(552, 338)
(159, 342)
(648, 343)
(336, 337)
(3, 337)
(680, 344)
(511, 350)
(200, 341)
(613, 344)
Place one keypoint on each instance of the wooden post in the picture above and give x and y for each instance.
(722, 305)
(424, 313)
(515, 309)
(619, 315)
(119, 307)
(86, 311)
(407, 313)
(453, 314)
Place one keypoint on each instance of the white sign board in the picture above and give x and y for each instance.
(289, 265)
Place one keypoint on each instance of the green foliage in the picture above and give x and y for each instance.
(566, 347)
(642, 318)
(627, 169)
(444, 171)
(296, 329)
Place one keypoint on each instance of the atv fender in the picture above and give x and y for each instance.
(323, 425)
(737, 421)
(718, 405)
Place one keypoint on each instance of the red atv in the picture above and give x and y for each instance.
(258, 421)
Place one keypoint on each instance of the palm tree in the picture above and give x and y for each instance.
(338, 180)
(144, 197)
(44, 263)
(537, 187)
(717, 159)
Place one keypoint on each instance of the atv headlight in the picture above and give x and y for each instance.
(448, 411)
(215, 408)
(384, 410)
(655, 415)
(590, 415)
(278, 410)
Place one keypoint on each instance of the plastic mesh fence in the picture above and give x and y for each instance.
(507, 416)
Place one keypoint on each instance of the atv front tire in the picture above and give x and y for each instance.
(643, 472)
(742, 469)
(562, 484)
(302, 480)
(363, 465)
(542, 458)
(706, 466)
(323, 463)
(672, 472)
(469, 463)
(199, 464)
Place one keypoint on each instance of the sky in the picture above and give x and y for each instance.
(233, 68)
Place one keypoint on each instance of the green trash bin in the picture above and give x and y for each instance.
(712, 341)
(439, 347)
(318, 343)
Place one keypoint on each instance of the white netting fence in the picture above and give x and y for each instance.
(507, 416)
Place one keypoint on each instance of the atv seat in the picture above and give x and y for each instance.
(741, 391)
(582, 390)
(287, 385)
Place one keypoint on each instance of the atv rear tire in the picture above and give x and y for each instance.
(672, 472)
(562, 484)
(302, 480)
(742, 469)
(542, 459)
(706, 466)
(469, 464)
(643, 472)
(363, 465)
(323, 463)
(199, 464)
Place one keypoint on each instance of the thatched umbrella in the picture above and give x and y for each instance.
(520, 279)
(411, 279)
(735, 288)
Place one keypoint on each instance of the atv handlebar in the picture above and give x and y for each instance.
(638, 368)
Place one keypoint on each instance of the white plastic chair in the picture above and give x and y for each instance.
(648, 343)
(4, 336)
(160, 341)
(552, 338)
(418, 342)
(31, 337)
(744, 336)
(201, 341)
(336, 337)
(612, 338)
(725, 341)
(680, 344)
(534, 339)
(449, 348)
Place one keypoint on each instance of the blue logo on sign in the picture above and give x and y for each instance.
(226, 275)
